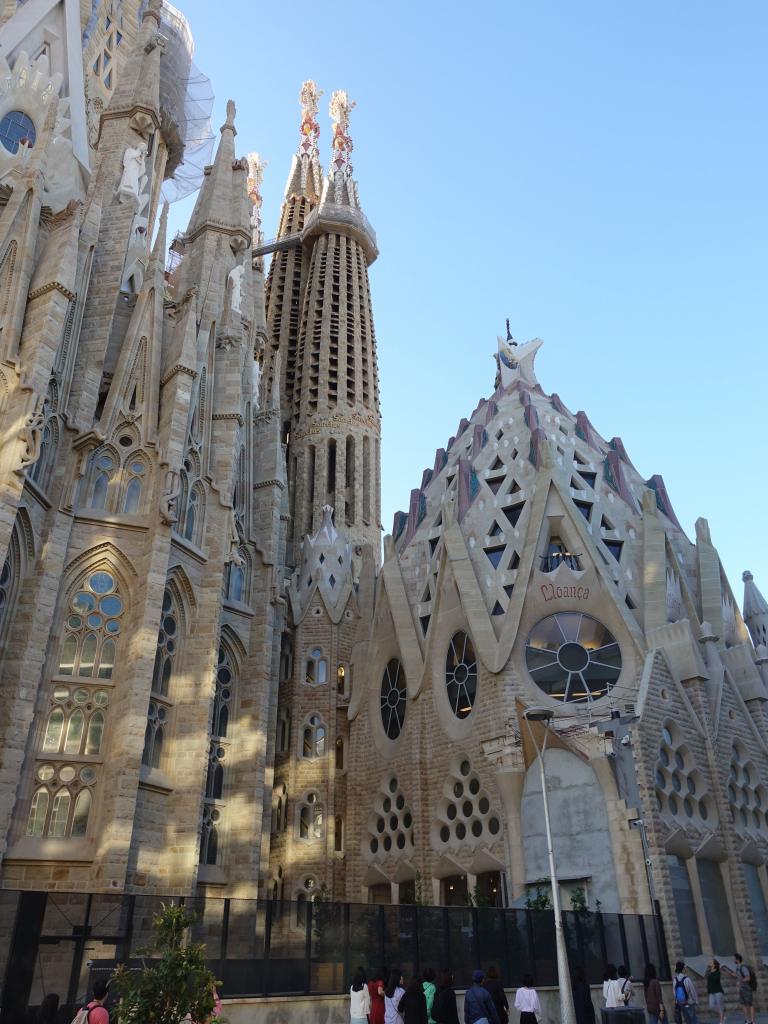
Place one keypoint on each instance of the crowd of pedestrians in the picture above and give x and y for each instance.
(430, 999)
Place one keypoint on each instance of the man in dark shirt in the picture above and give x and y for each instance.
(478, 1005)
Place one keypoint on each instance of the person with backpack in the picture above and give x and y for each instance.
(625, 986)
(747, 980)
(611, 988)
(685, 995)
(478, 1005)
(95, 1012)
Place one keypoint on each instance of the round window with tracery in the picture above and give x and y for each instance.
(573, 657)
(461, 675)
(17, 128)
(393, 698)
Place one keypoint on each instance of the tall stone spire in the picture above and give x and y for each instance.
(334, 450)
(284, 282)
(755, 610)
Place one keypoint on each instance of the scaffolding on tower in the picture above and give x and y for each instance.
(186, 104)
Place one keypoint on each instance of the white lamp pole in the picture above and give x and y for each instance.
(567, 1011)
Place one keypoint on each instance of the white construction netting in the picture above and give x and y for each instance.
(186, 100)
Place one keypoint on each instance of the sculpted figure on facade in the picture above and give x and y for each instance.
(169, 513)
(236, 287)
(31, 435)
(134, 166)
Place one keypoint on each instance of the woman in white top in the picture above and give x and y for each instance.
(359, 999)
(393, 993)
(527, 1001)
(611, 989)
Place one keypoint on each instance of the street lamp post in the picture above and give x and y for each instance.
(567, 1011)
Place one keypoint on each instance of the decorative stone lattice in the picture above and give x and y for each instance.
(464, 815)
(681, 792)
(390, 826)
(747, 797)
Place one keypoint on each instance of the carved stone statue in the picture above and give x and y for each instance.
(134, 165)
(234, 555)
(169, 500)
(31, 434)
(236, 282)
(256, 385)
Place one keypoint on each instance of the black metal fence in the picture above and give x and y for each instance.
(59, 942)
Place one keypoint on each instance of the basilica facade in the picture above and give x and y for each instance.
(215, 680)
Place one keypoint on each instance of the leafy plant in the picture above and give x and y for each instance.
(417, 900)
(477, 898)
(578, 899)
(541, 898)
(173, 981)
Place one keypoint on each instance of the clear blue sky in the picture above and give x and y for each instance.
(596, 171)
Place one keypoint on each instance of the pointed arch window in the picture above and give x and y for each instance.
(38, 812)
(222, 702)
(104, 466)
(209, 836)
(214, 786)
(167, 641)
(154, 735)
(191, 501)
(40, 471)
(237, 579)
(57, 826)
(92, 628)
(314, 738)
(317, 668)
(76, 722)
(135, 474)
(10, 576)
(216, 781)
(310, 818)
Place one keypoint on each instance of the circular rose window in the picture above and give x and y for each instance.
(573, 657)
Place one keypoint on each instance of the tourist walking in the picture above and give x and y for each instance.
(478, 1005)
(359, 999)
(611, 990)
(654, 998)
(48, 1010)
(95, 1012)
(393, 993)
(582, 998)
(715, 992)
(444, 1009)
(685, 996)
(626, 991)
(527, 1001)
(376, 992)
(429, 992)
(747, 981)
(413, 1005)
(495, 986)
